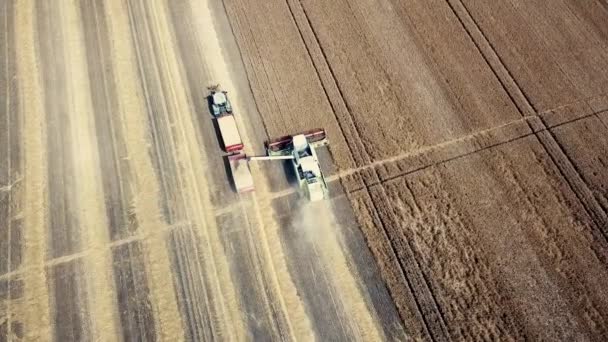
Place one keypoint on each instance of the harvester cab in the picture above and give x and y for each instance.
(307, 168)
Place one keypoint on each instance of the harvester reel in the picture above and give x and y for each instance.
(213, 88)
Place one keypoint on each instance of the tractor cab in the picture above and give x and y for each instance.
(219, 98)
(220, 102)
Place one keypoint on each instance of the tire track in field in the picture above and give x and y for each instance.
(64, 237)
(36, 308)
(421, 288)
(114, 159)
(337, 283)
(153, 82)
(83, 85)
(330, 85)
(264, 230)
(90, 288)
(9, 145)
(11, 319)
(66, 284)
(551, 145)
(227, 317)
(133, 294)
(325, 74)
(142, 263)
(71, 319)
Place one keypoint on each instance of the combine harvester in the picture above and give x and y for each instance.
(300, 149)
(231, 139)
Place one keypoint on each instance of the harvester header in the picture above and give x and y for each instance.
(300, 150)
(282, 145)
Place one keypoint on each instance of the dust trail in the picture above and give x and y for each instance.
(316, 223)
(37, 311)
(94, 224)
(132, 111)
(274, 256)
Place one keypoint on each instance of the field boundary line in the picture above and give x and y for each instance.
(562, 161)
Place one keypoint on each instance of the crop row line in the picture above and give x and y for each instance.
(437, 333)
(329, 82)
(8, 219)
(569, 171)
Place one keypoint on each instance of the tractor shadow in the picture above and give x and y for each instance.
(210, 105)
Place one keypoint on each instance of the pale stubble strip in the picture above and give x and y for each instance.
(91, 212)
(36, 296)
(134, 121)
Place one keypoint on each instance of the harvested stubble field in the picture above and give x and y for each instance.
(470, 137)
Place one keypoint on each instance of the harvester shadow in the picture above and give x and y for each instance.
(290, 173)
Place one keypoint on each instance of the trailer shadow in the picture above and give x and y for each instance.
(290, 173)
(218, 134)
(228, 171)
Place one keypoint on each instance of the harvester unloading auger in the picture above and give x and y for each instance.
(300, 149)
